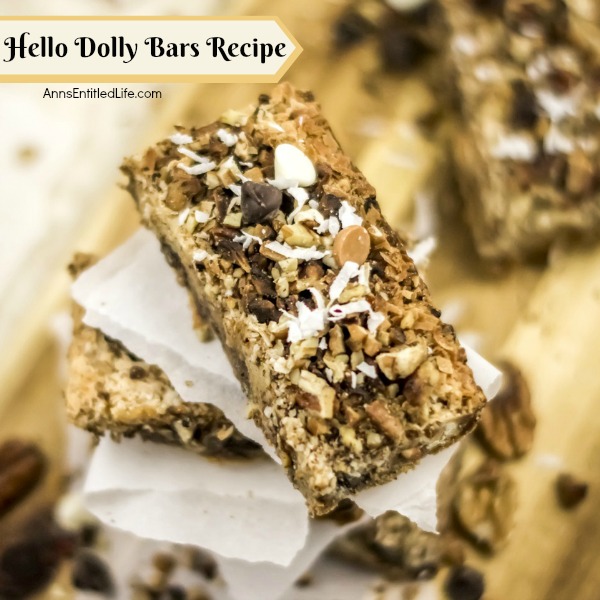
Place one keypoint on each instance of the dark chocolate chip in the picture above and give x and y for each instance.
(204, 564)
(350, 28)
(259, 201)
(27, 566)
(401, 50)
(91, 573)
(262, 283)
(175, 592)
(263, 310)
(570, 490)
(464, 583)
(264, 99)
(137, 372)
(371, 202)
(524, 105)
(489, 7)
(88, 534)
(329, 205)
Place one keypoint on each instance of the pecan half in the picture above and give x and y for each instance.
(484, 506)
(508, 422)
(22, 466)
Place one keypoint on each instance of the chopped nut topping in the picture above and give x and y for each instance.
(484, 506)
(389, 424)
(324, 394)
(402, 362)
(507, 422)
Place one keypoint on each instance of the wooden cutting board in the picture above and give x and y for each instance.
(547, 320)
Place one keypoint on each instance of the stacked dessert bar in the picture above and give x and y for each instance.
(347, 367)
(528, 146)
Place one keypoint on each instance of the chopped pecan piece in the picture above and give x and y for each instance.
(321, 391)
(402, 362)
(484, 506)
(390, 425)
(507, 422)
(22, 466)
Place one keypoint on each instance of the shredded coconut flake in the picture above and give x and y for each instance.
(183, 215)
(193, 155)
(201, 217)
(556, 142)
(465, 44)
(309, 215)
(364, 275)
(348, 216)
(197, 169)
(236, 189)
(353, 379)
(516, 147)
(323, 344)
(200, 255)
(300, 195)
(181, 138)
(299, 253)
(282, 183)
(228, 138)
(275, 126)
(367, 369)
(340, 311)
(374, 321)
(559, 106)
(246, 239)
(347, 272)
(422, 250)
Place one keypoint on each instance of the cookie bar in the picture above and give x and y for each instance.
(111, 391)
(392, 545)
(348, 369)
(528, 148)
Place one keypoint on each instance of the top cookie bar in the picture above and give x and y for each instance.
(528, 151)
(348, 368)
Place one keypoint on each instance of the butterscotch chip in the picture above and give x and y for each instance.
(352, 243)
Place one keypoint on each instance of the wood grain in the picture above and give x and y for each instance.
(547, 320)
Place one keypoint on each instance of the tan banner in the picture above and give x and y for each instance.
(145, 49)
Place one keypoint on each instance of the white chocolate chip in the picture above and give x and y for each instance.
(292, 164)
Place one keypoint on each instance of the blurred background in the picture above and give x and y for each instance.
(382, 77)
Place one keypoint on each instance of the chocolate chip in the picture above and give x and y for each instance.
(259, 201)
(401, 50)
(88, 534)
(524, 105)
(263, 310)
(137, 372)
(264, 99)
(350, 28)
(27, 566)
(329, 205)
(489, 7)
(175, 592)
(262, 283)
(464, 583)
(570, 490)
(203, 563)
(91, 573)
